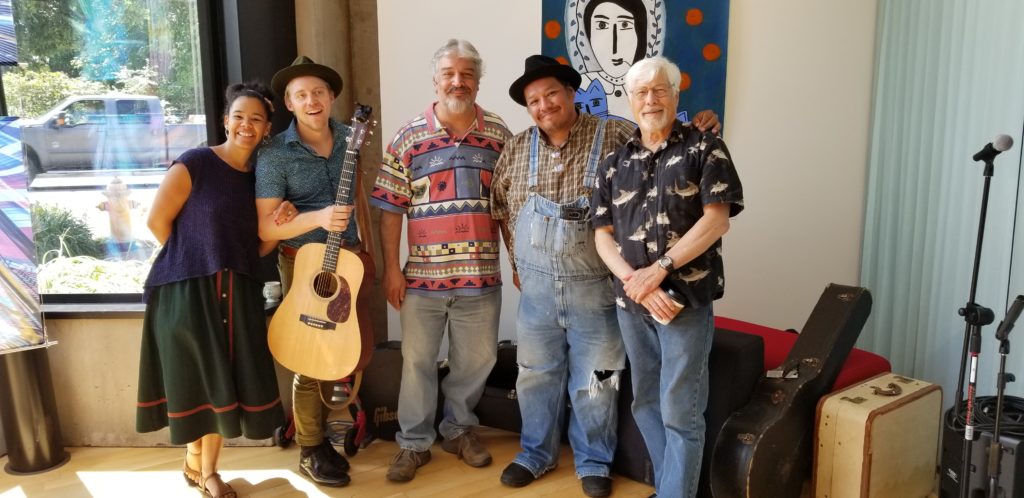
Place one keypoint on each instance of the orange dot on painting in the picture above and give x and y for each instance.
(562, 60)
(712, 52)
(552, 29)
(694, 17)
(684, 81)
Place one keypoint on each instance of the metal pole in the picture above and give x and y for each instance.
(28, 412)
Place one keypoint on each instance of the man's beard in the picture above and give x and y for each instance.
(457, 105)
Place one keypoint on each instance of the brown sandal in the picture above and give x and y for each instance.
(192, 476)
(230, 493)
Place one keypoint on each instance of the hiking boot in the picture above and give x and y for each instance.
(597, 486)
(517, 476)
(467, 446)
(316, 464)
(403, 466)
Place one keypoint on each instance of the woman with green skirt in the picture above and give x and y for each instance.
(205, 369)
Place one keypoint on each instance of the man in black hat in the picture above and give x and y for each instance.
(303, 165)
(566, 326)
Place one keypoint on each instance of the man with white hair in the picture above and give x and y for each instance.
(570, 347)
(662, 204)
(437, 172)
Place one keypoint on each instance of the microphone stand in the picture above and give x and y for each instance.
(975, 316)
(995, 448)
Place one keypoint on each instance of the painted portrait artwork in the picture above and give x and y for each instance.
(602, 39)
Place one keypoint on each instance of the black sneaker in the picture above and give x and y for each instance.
(597, 486)
(317, 465)
(517, 476)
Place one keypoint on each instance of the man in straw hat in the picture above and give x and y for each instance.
(566, 327)
(303, 165)
(437, 172)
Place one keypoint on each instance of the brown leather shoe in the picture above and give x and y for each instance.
(403, 466)
(467, 446)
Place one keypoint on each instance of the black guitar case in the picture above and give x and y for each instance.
(499, 404)
(764, 450)
(378, 395)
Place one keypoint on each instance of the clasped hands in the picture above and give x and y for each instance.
(644, 287)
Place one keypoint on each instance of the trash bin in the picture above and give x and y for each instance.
(28, 413)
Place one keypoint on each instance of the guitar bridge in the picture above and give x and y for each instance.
(317, 323)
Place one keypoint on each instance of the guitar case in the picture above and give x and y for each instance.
(764, 450)
(499, 405)
(378, 395)
(366, 336)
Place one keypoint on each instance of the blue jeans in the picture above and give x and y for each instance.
(472, 325)
(673, 357)
(567, 335)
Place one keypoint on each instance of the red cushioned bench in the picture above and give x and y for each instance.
(860, 365)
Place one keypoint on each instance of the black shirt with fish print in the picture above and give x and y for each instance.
(652, 198)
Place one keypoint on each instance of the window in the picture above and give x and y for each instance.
(135, 111)
(108, 93)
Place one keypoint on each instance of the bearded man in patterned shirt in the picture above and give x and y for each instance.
(437, 172)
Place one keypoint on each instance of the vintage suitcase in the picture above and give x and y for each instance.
(878, 439)
(765, 449)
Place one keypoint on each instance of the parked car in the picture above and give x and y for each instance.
(106, 132)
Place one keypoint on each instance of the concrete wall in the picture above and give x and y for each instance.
(95, 369)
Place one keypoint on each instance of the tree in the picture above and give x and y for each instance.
(30, 93)
(46, 34)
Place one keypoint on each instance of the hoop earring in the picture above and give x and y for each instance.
(266, 140)
(226, 132)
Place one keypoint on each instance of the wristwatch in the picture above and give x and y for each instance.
(666, 263)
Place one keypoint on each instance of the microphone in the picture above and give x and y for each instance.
(1011, 316)
(1002, 143)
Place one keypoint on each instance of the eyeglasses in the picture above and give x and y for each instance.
(659, 92)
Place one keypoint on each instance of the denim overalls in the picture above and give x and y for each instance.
(567, 330)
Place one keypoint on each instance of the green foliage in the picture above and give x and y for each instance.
(59, 233)
(46, 34)
(76, 47)
(30, 93)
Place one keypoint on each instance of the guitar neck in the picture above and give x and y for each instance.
(344, 197)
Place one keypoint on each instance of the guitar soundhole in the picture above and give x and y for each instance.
(325, 285)
(336, 290)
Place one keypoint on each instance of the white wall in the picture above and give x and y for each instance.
(797, 113)
(798, 99)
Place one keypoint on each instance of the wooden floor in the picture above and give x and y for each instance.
(272, 471)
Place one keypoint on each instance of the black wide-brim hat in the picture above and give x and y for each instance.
(304, 66)
(542, 66)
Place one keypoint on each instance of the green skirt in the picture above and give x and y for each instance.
(205, 367)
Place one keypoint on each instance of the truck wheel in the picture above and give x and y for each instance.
(32, 167)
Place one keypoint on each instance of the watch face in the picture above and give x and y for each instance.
(665, 262)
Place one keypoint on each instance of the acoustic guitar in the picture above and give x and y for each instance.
(315, 331)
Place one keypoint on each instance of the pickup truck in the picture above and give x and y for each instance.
(105, 132)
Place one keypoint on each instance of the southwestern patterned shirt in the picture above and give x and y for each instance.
(652, 198)
(560, 170)
(443, 185)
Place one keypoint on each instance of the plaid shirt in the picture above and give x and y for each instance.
(559, 170)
